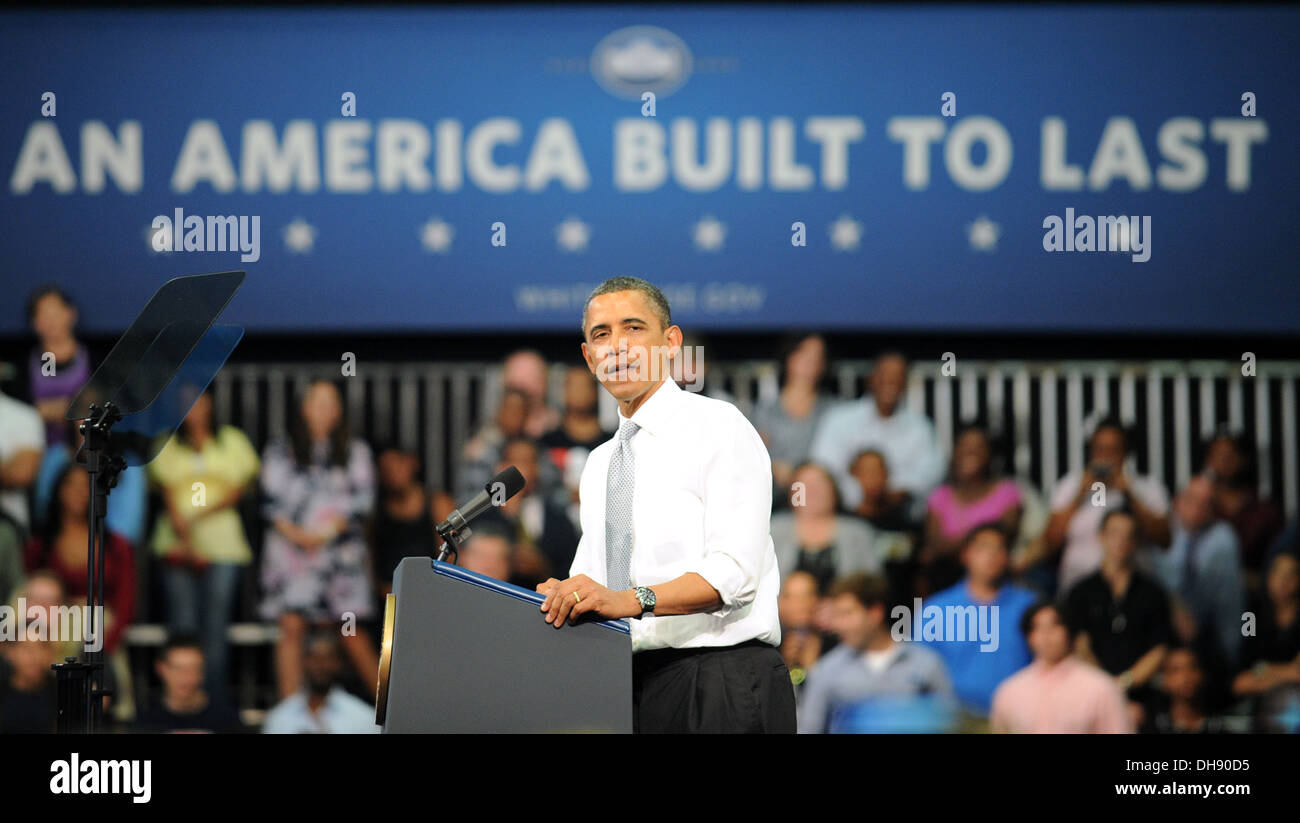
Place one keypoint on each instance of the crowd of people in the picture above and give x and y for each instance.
(1103, 604)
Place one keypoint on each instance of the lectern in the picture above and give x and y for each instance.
(463, 652)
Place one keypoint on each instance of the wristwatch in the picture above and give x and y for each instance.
(646, 597)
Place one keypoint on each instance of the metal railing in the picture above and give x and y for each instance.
(1040, 410)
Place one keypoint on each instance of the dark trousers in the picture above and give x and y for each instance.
(741, 688)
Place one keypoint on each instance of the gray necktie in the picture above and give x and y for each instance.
(618, 511)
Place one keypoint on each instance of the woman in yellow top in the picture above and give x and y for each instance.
(201, 474)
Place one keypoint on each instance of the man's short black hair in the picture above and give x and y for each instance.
(324, 635)
(1027, 619)
(868, 589)
(1121, 511)
(996, 528)
(181, 640)
(658, 303)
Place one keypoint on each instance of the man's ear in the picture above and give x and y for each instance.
(586, 355)
(674, 335)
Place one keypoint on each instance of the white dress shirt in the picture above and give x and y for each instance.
(915, 461)
(1083, 550)
(341, 713)
(701, 502)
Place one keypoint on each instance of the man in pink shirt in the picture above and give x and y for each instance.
(1057, 693)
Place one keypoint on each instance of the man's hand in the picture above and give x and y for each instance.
(561, 603)
(1119, 480)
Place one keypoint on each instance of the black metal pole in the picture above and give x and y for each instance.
(81, 686)
(97, 684)
(95, 634)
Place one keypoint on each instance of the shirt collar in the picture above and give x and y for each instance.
(655, 412)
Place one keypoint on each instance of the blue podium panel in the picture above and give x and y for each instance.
(467, 653)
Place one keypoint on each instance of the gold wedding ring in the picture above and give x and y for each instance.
(576, 598)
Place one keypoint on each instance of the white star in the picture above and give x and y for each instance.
(436, 235)
(572, 235)
(299, 236)
(710, 233)
(984, 234)
(845, 233)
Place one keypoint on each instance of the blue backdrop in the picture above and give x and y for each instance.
(381, 216)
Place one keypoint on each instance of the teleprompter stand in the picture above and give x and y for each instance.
(128, 409)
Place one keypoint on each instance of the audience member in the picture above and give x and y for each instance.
(1270, 655)
(813, 536)
(977, 666)
(28, 702)
(567, 445)
(870, 681)
(1181, 706)
(1057, 693)
(482, 453)
(45, 597)
(128, 504)
(880, 422)
(59, 365)
(403, 524)
(1077, 508)
(11, 557)
(1202, 568)
(62, 546)
(320, 488)
(184, 706)
(1230, 465)
(802, 641)
(973, 496)
(1121, 616)
(788, 421)
(321, 706)
(544, 537)
(21, 444)
(527, 371)
(580, 426)
(886, 509)
(488, 552)
(691, 367)
(199, 534)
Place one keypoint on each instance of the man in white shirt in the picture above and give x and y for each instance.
(1078, 504)
(879, 422)
(22, 440)
(675, 513)
(321, 707)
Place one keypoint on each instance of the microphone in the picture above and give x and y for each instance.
(508, 481)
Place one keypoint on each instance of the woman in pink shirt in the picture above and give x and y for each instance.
(972, 496)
